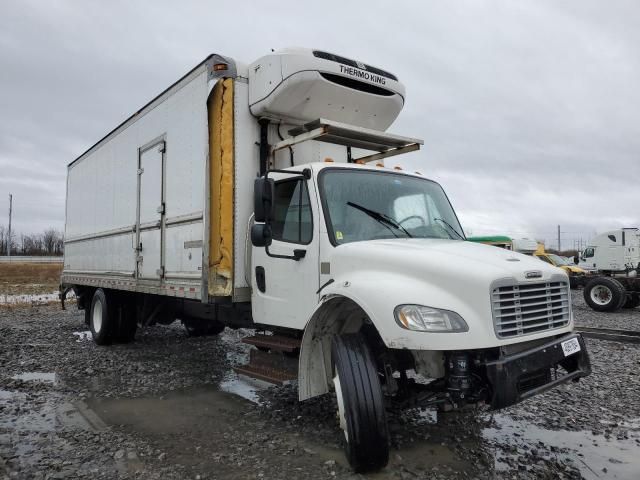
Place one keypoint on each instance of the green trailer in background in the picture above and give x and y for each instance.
(501, 241)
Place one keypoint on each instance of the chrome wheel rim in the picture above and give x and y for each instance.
(601, 295)
(96, 316)
(341, 414)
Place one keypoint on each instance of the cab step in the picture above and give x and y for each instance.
(272, 367)
(279, 343)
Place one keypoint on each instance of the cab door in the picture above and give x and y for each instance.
(284, 290)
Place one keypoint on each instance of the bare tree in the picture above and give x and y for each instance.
(59, 246)
(3, 245)
(50, 242)
(49, 238)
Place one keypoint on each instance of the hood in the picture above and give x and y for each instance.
(445, 257)
(453, 275)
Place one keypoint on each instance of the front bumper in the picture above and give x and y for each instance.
(522, 375)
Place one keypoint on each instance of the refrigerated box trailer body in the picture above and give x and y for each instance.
(257, 195)
(139, 201)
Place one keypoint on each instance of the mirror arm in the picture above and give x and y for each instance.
(298, 254)
(302, 174)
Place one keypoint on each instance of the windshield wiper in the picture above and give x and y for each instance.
(450, 228)
(385, 220)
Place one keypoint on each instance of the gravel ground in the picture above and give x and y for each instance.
(161, 408)
(626, 319)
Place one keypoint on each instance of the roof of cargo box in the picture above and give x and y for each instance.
(209, 60)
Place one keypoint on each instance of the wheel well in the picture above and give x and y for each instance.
(336, 316)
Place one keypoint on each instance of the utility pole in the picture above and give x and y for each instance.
(559, 249)
(9, 240)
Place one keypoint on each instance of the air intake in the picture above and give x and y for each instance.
(352, 63)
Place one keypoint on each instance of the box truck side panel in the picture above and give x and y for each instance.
(101, 212)
(221, 171)
(187, 149)
(153, 165)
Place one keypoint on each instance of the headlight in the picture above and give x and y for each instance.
(429, 319)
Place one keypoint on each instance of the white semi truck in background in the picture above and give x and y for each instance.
(615, 256)
(262, 196)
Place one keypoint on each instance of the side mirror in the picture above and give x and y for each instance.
(263, 193)
(261, 235)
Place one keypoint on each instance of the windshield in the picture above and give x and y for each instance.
(558, 260)
(366, 205)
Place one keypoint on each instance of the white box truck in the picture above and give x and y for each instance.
(262, 196)
(615, 255)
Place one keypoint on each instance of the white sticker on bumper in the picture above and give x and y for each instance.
(569, 347)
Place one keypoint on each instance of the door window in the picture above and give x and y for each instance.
(292, 220)
(588, 252)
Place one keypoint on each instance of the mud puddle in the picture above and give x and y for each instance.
(242, 386)
(593, 455)
(222, 428)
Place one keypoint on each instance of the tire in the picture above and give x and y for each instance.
(127, 323)
(360, 403)
(101, 322)
(632, 302)
(604, 294)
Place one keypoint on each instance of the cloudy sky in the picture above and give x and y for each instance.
(530, 111)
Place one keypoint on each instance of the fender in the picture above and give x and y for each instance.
(343, 310)
(334, 315)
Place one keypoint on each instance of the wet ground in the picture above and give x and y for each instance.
(169, 407)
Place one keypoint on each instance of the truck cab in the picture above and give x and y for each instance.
(366, 262)
(615, 251)
(369, 262)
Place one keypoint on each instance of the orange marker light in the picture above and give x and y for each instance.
(219, 66)
(379, 164)
(328, 160)
(397, 168)
(361, 162)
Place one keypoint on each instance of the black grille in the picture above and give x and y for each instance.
(352, 63)
(529, 308)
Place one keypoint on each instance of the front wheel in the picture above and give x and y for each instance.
(361, 409)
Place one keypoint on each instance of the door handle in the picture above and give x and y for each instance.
(299, 253)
